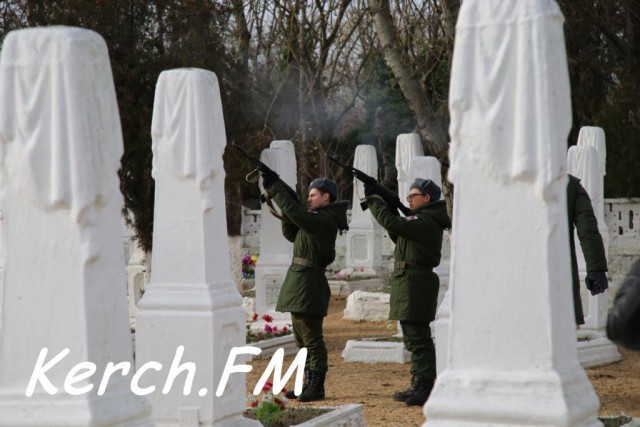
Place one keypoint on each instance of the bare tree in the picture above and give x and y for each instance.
(400, 54)
(312, 54)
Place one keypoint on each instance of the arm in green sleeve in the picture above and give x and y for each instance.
(299, 215)
(289, 231)
(395, 224)
(588, 233)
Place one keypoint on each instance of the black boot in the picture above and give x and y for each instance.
(401, 396)
(305, 383)
(423, 390)
(315, 391)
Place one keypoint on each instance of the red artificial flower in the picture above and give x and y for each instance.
(255, 316)
(274, 329)
(254, 404)
(285, 329)
(268, 329)
(267, 318)
(267, 386)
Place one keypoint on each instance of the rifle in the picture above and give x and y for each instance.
(253, 176)
(391, 199)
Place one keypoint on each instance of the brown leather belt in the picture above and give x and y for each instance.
(408, 266)
(307, 263)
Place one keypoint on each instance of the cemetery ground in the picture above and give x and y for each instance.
(617, 385)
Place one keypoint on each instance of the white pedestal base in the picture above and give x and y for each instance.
(597, 351)
(208, 320)
(116, 407)
(535, 398)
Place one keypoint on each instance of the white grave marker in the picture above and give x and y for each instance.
(512, 348)
(191, 300)
(276, 252)
(364, 238)
(64, 287)
(594, 349)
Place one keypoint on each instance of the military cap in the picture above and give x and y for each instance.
(326, 185)
(427, 186)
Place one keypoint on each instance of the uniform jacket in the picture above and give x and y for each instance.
(623, 324)
(414, 287)
(313, 233)
(582, 217)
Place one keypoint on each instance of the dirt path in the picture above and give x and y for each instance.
(617, 385)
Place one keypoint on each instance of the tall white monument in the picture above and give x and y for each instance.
(510, 117)
(594, 348)
(191, 311)
(364, 238)
(276, 252)
(64, 284)
(408, 146)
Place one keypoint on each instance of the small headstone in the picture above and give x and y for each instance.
(583, 162)
(364, 238)
(276, 252)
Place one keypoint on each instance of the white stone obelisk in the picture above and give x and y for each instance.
(594, 349)
(429, 167)
(64, 284)
(408, 146)
(364, 238)
(276, 252)
(191, 302)
(510, 117)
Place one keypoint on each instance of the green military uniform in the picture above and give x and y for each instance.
(305, 292)
(580, 214)
(414, 285)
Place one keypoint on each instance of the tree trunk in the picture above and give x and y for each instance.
(430, 129)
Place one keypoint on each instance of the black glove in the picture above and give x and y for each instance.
(596, 282)
(268, 178)
(369, 189)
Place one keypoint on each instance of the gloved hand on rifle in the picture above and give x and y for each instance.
(369, 189)
(596, 282)
(269, 178)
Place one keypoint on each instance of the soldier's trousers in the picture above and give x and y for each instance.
(307, 330)
(417, 339)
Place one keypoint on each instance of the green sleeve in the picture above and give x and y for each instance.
(395, 224)
(588, 233)
(289, 231)
(299, 215)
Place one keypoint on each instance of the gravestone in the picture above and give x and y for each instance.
(64, 284)
(512, 347)
(364, 238)
(408, 146)
(276, 252)
(190, 302)
(594, 349)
